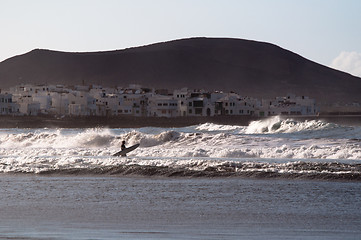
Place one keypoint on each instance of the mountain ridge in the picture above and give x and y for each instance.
(251, 68)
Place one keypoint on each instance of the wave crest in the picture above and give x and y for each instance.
(212, 127)
(149, 140)
(278, 125)
(192, 168)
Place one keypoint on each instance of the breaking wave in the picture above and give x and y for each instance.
(305, 148)
(278, 125)
(191, 168)
(311, 128)
(211, 127)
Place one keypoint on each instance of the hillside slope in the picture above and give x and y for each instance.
(248, 67)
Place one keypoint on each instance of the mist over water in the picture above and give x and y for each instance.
(269, 147)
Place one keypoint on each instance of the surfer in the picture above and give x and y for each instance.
(124, 150)
(123, 146)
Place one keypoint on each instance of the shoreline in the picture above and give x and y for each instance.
(138, 122)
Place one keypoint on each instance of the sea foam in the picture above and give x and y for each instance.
(195, 147)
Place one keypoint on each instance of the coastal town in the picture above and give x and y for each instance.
(138, 101)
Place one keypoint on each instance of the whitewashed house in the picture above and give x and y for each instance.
(7, 106)
(289, 105)
(27, 106)
(199, 103)
(45, 102)
(163, 106)
(59, 103)
(226, 105)
(134, 101)
(248, 106)
(81, 104)
(229, 105)
(181, 96)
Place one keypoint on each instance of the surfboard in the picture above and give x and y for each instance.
(125, 151)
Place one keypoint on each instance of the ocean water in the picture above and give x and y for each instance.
(274, 179)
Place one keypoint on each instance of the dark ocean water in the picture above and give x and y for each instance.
(105, 207)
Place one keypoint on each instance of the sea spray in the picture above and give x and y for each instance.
(194, 148)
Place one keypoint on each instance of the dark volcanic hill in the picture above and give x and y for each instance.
(248, 67)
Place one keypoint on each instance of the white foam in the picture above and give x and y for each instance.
(217, 127)
(34, 150)
(278, 125)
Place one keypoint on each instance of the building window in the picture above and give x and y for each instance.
(198, 111)
(198, 104)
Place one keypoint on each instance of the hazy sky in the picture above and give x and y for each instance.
(325, 31)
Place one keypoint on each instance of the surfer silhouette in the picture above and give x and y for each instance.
(124, 150)
(123, 147)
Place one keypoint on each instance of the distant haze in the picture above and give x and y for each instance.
(249, 68)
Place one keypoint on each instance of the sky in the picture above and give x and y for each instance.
(324, 31)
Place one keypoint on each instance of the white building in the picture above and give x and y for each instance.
(228, 105)
(59, 103)
(248, 106)
(136, 101)
(163, 106)
(233, 104)
(7, 106)
(27, 106)
(181, 96)
(81, 104)
(44, 101)
(199, 103)
(290, 105)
